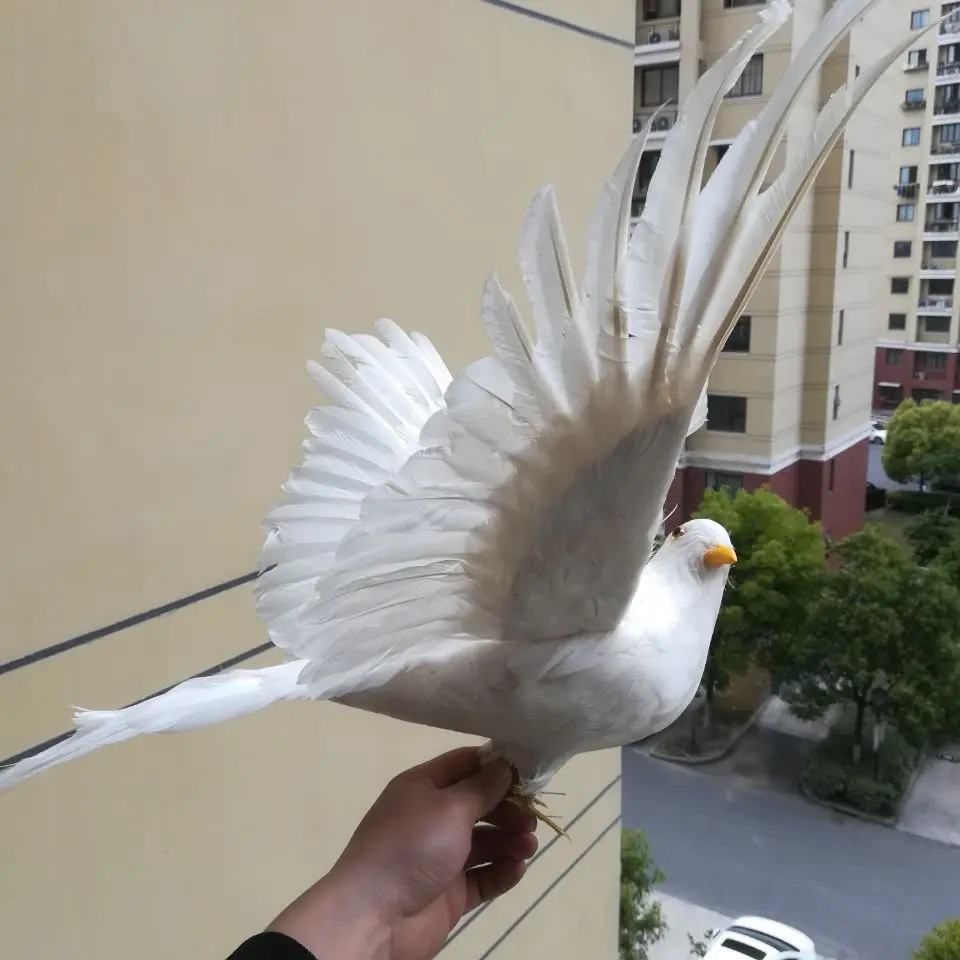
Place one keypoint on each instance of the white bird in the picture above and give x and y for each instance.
(474, 552)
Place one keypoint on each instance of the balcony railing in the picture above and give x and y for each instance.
(913, 104)
(948, 69)
(907, 190)
(946, 109)
(944, 266)
(939, 188)
(917, 67)
(930, 373)
(951, 26)
(663, 31)
(937, 304)
(932, 336)
(952, 146)
(943, 226)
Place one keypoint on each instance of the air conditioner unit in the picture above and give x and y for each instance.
(661, 123)
(637, 124)
(921, 375)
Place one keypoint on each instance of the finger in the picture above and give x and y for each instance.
(491, 845)
(511, 816)
(450, 768)
(482, 792)
(489, 882)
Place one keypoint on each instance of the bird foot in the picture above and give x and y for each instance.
(538, 808)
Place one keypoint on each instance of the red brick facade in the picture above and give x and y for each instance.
(831, 490)
(901, 373)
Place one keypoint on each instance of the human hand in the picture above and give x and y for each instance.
(418, 861)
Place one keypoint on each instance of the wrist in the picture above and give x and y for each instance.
(334, 919)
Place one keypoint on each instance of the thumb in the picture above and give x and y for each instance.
(482, 791)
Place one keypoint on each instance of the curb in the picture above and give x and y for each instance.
(717, 754)
(871, 817)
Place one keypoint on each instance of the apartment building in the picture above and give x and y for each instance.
(191, 193)
(790, 400)
(918, 342)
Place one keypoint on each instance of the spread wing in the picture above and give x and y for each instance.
(530, 508)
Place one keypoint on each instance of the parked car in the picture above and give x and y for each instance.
(756, 938)
(878, 432)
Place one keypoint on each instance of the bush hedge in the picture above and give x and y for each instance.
(830, 774)
(941, 943)
(912, 501)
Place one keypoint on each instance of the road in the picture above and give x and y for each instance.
(862, 892)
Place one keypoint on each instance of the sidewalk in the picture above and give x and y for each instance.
(933, 810)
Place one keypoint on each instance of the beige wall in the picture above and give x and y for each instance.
(191, 192)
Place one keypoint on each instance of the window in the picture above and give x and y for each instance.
(720, 151)
(916, 59)
(714, 480)
(897, 321)
(836, 401)
(739, 339)
(948, 133)
(930, 361)
(911, 137)
(730, 4)
(905, 212)
(899, 284)
(725, 413)
(919, 19)
(659, 84)
(840, 319)
(745, 949)
(908, 175)
(902, 248)
(659, 9)
(831, 475)
(936, 324)
(893, 357)
(943, 249)
(850, 170)
(920, 395)
(846, 248)
(750, 82)
(914, 95)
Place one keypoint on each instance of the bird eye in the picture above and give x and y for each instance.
(678, 533)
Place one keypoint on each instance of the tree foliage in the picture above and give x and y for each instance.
(923, 442)
(781, 557)
(641, 920)
(880, 620)
(931, 533)
(941, 943)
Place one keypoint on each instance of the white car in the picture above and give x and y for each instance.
(878, 432)
(756, 938)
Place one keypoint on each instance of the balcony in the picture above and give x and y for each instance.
(949, 32)
(661, 125)
(943, 226)
(917, 67)
(948, 109)
(907, 191)
(949, 149)
(947, 70)
(914, 104)
(943, 188)
(932, 336)
(936, 305)
(930, 373)
(657, 42)
(939, 269)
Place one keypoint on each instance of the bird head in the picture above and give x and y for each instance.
(701, 546)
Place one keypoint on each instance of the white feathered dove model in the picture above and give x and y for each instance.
(474, 552)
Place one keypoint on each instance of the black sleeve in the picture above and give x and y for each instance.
(271, 946)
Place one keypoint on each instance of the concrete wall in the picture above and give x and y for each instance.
(191, 193)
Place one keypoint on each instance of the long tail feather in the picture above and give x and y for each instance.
(195, 703)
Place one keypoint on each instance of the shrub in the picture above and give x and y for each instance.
(941, 943)
(912, 501)
(641, 921)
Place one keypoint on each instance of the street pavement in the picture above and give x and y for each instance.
(933, 807)
(862, 892)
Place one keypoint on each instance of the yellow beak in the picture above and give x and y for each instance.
(720, 556)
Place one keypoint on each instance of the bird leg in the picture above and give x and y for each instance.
(537, 807)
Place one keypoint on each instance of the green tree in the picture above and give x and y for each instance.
(880, 621)
(941, 943)
(780, 558)
(641, 920)
(923, 442)
(930, 534)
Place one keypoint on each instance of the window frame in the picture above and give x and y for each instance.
(913, 140)
(894, 282)
(734, 344)
(743, 89)
(737, 423)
